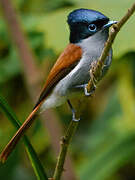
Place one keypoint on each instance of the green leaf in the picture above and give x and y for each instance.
(36, 164)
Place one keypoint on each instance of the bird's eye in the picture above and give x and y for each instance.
(92, 27)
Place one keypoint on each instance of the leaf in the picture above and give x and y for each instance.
(36, 164)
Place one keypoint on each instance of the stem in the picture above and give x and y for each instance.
(64, 147)
(112, 35)
(35, 162)
(96, 73)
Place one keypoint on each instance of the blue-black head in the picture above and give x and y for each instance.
(85, 22)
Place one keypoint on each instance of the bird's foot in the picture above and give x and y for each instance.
(86, 91)
(84, 86)
(73, 112)
(74, 118)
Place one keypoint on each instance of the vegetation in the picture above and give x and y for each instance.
(104, 144)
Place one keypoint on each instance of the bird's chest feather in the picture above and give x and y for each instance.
(92, 49)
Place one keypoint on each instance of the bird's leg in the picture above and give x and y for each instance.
(84, 86)
(73, 111)
(92, 78)
(86, 91)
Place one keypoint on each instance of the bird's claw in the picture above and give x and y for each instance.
(86, 91)
(84, 86)
(75, 120)
(73, 116)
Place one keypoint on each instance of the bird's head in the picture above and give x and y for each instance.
(84, 23)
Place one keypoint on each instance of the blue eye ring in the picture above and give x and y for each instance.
(92, 28)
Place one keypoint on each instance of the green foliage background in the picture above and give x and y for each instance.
(104, 145)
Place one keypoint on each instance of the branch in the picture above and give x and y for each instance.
(97, 68)
(64, 147)
(96, 72)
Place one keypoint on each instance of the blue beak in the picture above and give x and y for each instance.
(110, 23)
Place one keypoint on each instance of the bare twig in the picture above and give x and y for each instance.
(112, 35)
(64, 147)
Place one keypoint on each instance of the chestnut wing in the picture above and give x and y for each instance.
(64, 64)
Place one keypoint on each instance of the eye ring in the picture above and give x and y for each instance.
(92, 27)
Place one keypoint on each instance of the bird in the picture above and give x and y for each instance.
(89, 31)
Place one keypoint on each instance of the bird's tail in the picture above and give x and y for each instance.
(13, 142)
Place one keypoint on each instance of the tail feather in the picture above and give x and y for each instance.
(15, 139)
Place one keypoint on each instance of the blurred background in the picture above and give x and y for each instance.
(32, 35)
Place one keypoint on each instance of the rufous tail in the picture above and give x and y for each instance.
(20, 132)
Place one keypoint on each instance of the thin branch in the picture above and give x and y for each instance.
(64, 147)
(97, 69)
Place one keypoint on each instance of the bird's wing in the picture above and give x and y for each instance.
(64, 64)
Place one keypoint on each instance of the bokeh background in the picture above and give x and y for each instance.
(103, 147)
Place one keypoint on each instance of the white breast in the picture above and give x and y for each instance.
(92, 48)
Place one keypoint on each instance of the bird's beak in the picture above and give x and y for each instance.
(110, 23)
